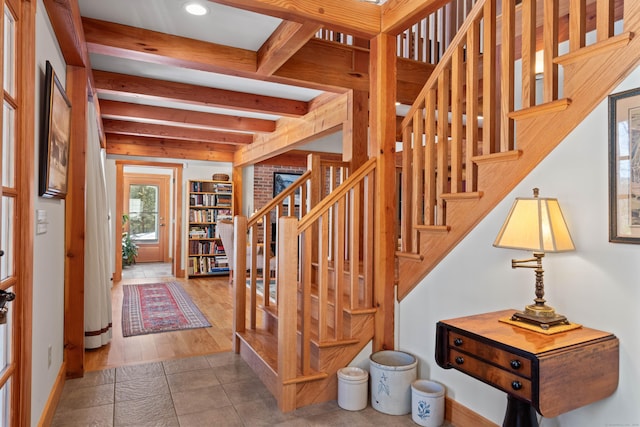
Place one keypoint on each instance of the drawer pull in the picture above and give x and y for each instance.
(515, 364)
(459, 360)
(457, 342)
(516, 385)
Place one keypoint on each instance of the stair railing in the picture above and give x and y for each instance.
(327, 267)
(426, 40)
(465, 112)
(256, 234)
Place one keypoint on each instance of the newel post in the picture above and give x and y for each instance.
(287, 310)
(239, 268)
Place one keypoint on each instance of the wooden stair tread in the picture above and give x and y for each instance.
(506, 156)
(462, 196)
(615, 42)
(409, 255)
(433, 228)
(548, 107)
(265, 345)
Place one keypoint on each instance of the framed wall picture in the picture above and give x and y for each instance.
(282, 180)
(54, 145)
(624, 167)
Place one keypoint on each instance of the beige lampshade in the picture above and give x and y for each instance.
(535, 224)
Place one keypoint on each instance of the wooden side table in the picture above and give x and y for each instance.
(548, 373)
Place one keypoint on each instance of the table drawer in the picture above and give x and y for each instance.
(504, 359)
(497, 377)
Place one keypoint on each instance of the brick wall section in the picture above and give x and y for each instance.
(263, 182)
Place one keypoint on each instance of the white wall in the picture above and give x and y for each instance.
(597, 285)
(48, 251)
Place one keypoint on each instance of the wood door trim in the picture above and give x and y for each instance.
(177, 268)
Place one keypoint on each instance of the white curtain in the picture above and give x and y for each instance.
(97, 274)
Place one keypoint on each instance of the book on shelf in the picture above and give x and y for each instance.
(223, 215)
(220, 187)
(223, 200)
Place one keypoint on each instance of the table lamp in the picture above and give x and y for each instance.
(536, 224)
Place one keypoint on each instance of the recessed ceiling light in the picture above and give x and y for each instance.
(196, 9)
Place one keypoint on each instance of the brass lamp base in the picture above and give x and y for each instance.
(540, 315)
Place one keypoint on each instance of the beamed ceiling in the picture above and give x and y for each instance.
(240, 84)
(244, 83)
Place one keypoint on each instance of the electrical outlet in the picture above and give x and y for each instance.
(49, 357)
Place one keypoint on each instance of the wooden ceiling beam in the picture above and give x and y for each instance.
(298, 158)
(152, 114)
(358, 18)
(285, 41)
(398, 15)
(168, 149)
(317, 64)
(66, 22)
(123, 41)
(327, 118)
(123, 127)
(142, 87)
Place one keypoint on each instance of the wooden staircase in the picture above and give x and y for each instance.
(321, 314)
(486, 158)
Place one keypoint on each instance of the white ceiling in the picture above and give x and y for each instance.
(222, 25)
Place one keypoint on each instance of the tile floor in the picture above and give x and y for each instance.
(147, 270)
(213, 390)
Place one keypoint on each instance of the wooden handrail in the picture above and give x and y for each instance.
(279, 198)
(321, 207)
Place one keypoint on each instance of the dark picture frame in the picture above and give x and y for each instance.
(55, 138)
(282, 180)
(624, 167)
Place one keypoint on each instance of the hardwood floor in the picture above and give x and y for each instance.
(212, 295)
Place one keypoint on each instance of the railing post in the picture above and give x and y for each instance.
(238, 268)
(287, 309)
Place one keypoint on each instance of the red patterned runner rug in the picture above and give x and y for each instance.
(158, 307)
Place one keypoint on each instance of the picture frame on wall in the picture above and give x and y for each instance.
(282, 180)
(624, 167)
(55, 138)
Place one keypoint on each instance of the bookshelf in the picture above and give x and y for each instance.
(209, 202)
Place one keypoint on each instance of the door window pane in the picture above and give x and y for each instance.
(6, 261)
(8, 145)
(5, 400)
(143, 213)
(9, 52)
